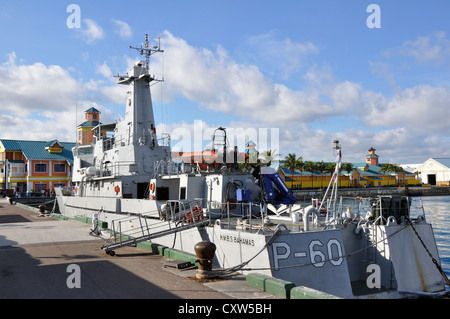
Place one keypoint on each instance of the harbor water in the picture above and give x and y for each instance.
(437, 212)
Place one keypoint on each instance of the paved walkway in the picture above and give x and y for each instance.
(37, 253)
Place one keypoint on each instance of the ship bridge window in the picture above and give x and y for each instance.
(108, 143)
(84, 150)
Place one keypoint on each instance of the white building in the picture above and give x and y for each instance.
(435, 171)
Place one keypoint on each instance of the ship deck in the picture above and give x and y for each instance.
(266, 225)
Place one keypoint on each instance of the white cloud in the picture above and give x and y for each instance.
(220, 83)
(28, 88)
(115, 94)
(279, 56)
(399, 123)
(384, 71)
(433, 48)
(397, 145)
(406, 125)
(91, 31)
(45, 102)
(423, 107)
(104, 70)
(122, 29)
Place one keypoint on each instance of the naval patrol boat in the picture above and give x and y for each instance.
(127, 178)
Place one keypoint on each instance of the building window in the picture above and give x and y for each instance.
(56, 185)
(40, 187)
(40, 168)
(59, 168)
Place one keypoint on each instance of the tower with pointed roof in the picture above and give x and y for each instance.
(372, 158)
(92, 119)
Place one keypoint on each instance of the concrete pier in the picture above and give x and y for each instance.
(39, 257)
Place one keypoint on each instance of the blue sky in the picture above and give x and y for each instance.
(314, 70)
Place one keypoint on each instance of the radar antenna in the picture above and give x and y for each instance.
(147, 51)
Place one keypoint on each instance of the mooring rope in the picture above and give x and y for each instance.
(435, 262)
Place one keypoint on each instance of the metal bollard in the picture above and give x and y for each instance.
(205, 253)
(42, 210)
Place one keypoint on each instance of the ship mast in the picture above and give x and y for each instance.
(147, 51)
(139, 125)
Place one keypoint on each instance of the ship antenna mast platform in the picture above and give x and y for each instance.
(146, 50)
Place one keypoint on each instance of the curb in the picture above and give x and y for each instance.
(269, 284)
(285, 288)
(302, 292)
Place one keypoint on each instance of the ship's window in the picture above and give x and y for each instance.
(142, 190)
(162, 193)
(183, 193)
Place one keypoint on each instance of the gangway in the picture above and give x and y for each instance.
(183, 214)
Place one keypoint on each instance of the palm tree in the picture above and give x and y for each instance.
(331, 167)
(387, 168)
(290, 162)
(347, 167)
(310, 166)
(301, 167)
(397, 169)
(321, 167)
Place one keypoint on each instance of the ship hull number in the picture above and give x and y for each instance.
(317, 254)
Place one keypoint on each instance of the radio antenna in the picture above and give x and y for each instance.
(147, 51)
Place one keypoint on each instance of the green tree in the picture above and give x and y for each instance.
(301, 168)
(290, 162)
(321, 167)
(397, 169)
(347, 167)
(330, 168)
(310, 166)
(387, 168)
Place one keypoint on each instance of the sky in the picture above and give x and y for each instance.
(299, 73)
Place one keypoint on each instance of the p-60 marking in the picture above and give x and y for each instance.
(316, 254)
